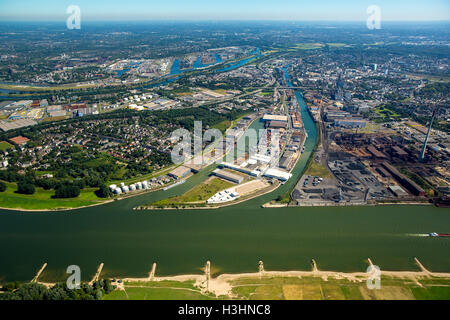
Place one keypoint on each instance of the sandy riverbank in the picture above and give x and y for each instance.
(222, 284)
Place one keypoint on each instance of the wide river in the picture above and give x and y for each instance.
(234, 238)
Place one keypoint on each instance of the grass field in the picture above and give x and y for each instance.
(336, 44)
(309, 288)
(308, 46)
(199, 194)
(386, 114)
(316, 169)
(5, 146)
(149, 293)
(161, 290)
(291, 288)
(42, 199)
(222, 126)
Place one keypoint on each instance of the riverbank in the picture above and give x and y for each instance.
(290, 285)
(205, 206)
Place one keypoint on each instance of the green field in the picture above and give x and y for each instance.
(308, 46)
(159, 290)
(309, 288)
(291, 288)
(42, 199)
(336, 44)
(199, 194)
(316, 169)
(385, 114)
(223, 126)
(5, 146)
(148, 293)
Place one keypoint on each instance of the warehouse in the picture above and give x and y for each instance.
(350, 123)
(228, 176)
(274, 117)
(398, 191)
(278, 174)
(276, 124)
(180, 172)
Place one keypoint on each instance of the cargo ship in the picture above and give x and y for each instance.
(434, 234)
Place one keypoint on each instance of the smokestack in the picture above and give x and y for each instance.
(422, 155)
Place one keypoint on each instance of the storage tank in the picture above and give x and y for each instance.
(132, 187)
(125, 189)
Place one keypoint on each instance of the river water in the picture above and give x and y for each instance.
(234, 238)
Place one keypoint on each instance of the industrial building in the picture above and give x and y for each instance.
(180, 172)
(249, 171)
(276, 124)
(274, 117)
(405, 182)
(12, 125)
(277, 174)
(228, 176)
(223, 196)
(398, 191)
(350, 123)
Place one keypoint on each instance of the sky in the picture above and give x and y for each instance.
(298, 10)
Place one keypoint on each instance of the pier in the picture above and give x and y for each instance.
(422, 268)
(208, 274)
(151, 275)
(97, 274)
(36, 277)
(314, 266)
(261, 268)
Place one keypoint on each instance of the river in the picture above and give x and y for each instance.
(234, 238)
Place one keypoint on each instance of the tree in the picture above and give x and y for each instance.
(103, 192)
(25, 187)
(67, 191)
(2, 186)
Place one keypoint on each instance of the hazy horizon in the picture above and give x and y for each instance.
(232, 10)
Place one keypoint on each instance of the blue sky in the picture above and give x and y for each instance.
(302, 10)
